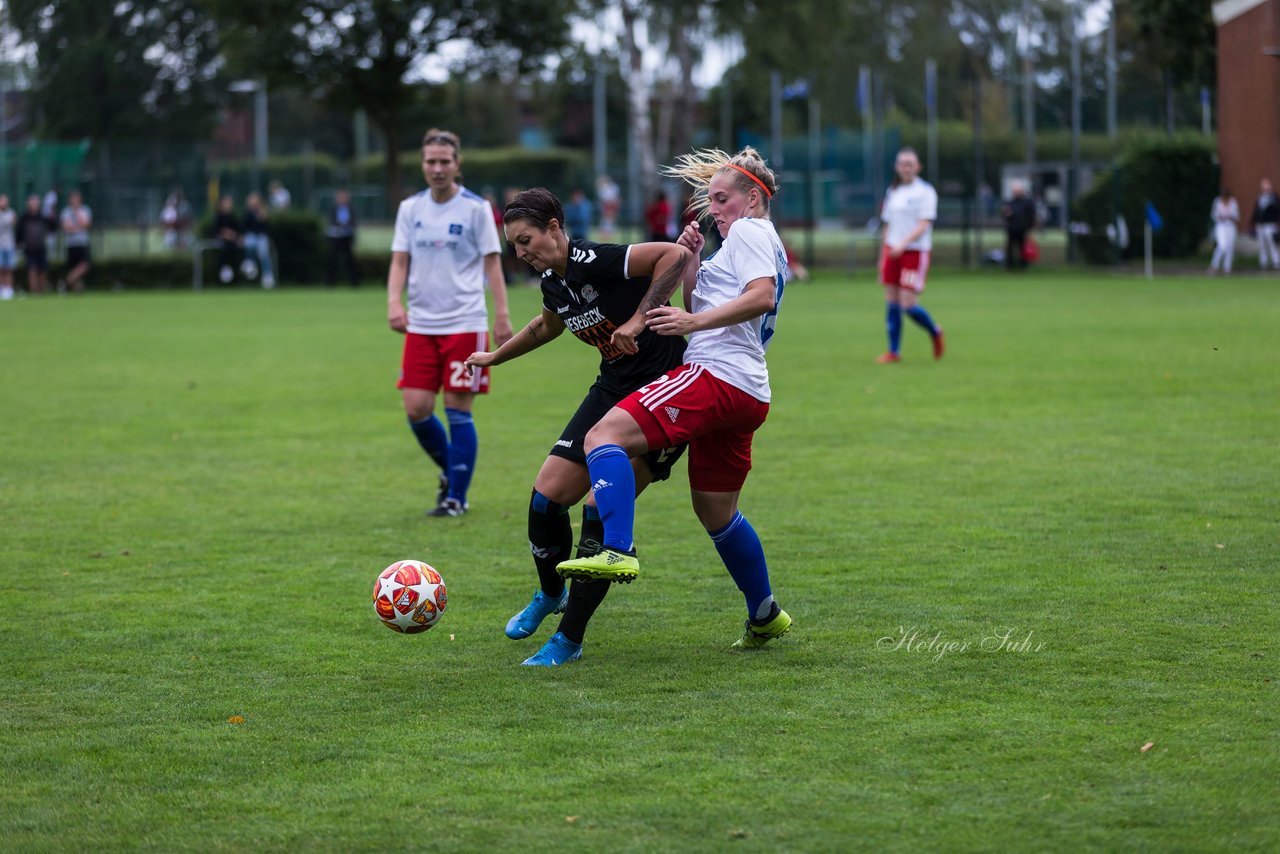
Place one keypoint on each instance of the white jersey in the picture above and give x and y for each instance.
(76, 224)
(904, 207)
(447, 244)
(752, 250)
(7, 221)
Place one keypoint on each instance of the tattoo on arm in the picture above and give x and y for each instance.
(661, 289)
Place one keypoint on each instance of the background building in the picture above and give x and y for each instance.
(1248, 93)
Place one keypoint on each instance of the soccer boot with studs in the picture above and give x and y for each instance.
(556, 651)
(608, 564)
(527, 621)
(755, 636)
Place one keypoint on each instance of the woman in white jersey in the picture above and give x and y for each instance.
(1225, 214)
(445, 248)
(910, 208)
(718, 399)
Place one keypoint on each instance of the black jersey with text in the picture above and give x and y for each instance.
(594, 298)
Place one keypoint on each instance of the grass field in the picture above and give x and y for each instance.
(198, 491)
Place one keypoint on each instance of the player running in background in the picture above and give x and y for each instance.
(445, 248)
(717, 400)
(599, 292)
(910, 207)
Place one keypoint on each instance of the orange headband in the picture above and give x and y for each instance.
(767, 194)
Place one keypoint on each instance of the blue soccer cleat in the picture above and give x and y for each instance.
(527, 621)
(559, 650)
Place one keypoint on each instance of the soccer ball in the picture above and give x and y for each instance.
(409, 597)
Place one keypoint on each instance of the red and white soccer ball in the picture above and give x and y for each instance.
(409, 597)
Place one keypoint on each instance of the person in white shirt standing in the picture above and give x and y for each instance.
(1225, 214)
(717, 400)
(445, 249)
(910, 208)
(77, 219)
(8, 247)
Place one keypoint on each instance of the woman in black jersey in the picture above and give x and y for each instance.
(599, 292)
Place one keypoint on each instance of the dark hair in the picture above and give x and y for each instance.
(538, 205)
(435, 136)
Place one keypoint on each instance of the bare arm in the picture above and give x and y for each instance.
(665, 263)
(397, 276)
(537, 332)
(921, 227)
(498, 287)
(691, 238)
(759, 297)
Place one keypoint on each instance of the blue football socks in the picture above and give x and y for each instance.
(893, 324)
(463, 445)
(614, 485)
(431, 436)
(743, 555)
(920, 316)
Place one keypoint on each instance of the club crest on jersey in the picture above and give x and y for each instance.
(455, 228)
(589, 293)
(582, 257)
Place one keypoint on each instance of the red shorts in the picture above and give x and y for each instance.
(688, 404)
(432, 362)
(906, 271)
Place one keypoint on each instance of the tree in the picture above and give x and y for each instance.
(367, 54)
(124, 70)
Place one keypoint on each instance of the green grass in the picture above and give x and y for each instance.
(198, 491)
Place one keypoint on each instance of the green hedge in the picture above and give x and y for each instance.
(1176, 174)
(148, 272)
(301, 247)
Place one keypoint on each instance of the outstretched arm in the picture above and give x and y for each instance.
(665, 263)
(759, 297)
(539, 331)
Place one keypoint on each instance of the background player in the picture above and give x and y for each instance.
(717, 399)
(445, 248)
(600, 292)
(910, 208)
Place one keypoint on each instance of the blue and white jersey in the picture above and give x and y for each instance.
(904, 206)
(447, 243)
(752, 250)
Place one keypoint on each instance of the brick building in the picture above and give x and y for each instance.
(1248, 95)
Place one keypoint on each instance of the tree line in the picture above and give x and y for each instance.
(160, 69)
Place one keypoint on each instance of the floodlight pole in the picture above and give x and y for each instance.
(599, 128)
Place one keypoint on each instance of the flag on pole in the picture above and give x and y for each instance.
(1154, 218)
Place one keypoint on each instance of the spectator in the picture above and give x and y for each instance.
(33, 231)
(175, 216)
(7, 247)
(257, 245)
(1266, 214)
(226, 230)
(577, 214)
(342, 237)
(610, 198)
(1225, 214)
(796, 271)
(49, 210)
(278, 195)
(658, 218)
(1019, 218)
(77, 220)
(512, 269)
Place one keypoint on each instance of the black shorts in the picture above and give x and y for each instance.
(593, 407)
(37, 259)
(77, 255)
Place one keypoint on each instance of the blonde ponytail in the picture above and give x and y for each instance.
(698, 168)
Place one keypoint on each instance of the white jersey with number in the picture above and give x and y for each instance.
(904, 207)
(447, 244)
(751, 250)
